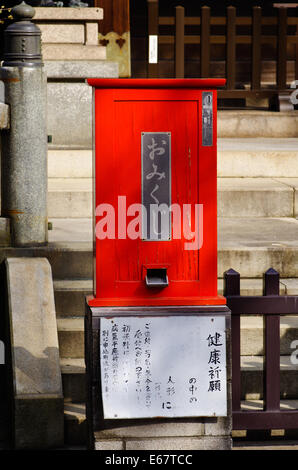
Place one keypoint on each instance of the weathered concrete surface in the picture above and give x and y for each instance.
(257, 124)
(80, 69)
(254, 197)
(36, 376)
(24, 155)
(73, 52)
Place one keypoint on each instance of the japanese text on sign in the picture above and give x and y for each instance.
(156, 185)
(163, 366)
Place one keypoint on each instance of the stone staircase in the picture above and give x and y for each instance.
(257, 207)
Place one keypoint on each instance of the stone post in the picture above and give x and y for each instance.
(24, 146)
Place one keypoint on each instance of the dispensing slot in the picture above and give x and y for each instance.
(157, 277)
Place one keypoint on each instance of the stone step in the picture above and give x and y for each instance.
(237, 157)
(69, 260)
(75, 424)
(252, 245)
(70, 293)
(257, 157)
(70, 162)
(71, 337)
(74, 384)
(249, 123)
(252, 378)
(237, 197)
(70, 197)
(70, 296)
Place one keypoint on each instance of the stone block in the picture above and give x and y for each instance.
(181, 443)
(91, 34)
(72, 52)
(38, 398)
(254, 197)
(221, 426)
(109, 445)
(80, 69)
(62, 33)
(67, 14)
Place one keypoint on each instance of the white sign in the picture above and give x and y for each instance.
(163, 366)
(153, 41)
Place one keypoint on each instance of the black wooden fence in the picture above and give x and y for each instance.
(271, 305)
(280, 32)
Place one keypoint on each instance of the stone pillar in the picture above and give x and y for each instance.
(24, 146)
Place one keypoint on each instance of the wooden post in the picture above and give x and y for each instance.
(272, 346)
(256, 48)
(205, 42)
(179, 42)
(152, 31)
(281, 66)
(231, 48)
(232, 287)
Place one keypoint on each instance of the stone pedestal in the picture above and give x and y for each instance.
(24, 156)
(196, 433)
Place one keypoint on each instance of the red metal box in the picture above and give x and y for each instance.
(155, 200)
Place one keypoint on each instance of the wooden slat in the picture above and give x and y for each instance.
(243, 39)
(152, 30)
(179, 42)
(267, 305)
(265, 420)
(256, 49)
(231, 47)
(221, 20)
(281, 66)
(205, 42)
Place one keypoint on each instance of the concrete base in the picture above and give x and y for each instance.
(35, 377)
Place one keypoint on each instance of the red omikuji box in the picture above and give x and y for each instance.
(155, 200)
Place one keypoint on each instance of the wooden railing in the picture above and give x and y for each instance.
(280, 32)
(271, 305)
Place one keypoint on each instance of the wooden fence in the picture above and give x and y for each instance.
(271, 305)
(281, 32)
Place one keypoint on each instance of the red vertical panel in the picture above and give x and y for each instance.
(121, 116)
